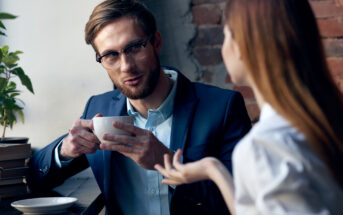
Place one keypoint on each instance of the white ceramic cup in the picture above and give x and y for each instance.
(103, 125)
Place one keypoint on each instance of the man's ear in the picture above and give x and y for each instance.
(157, 42)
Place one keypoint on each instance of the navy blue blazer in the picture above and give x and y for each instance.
(207, 121)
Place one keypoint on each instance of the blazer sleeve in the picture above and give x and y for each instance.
(45, 174)
(204, 197)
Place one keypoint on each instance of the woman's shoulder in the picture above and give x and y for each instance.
(272, 142)
(274, 134)
(275, 158)
(272, 131)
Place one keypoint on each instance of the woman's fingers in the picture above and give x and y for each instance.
(171, 182)
(162, 170)
(167, 162)
(176, 159)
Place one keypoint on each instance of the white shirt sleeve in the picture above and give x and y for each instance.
(57, 159)
(270, 179)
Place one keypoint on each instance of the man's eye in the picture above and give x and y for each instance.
(112, 54)
(133, 49)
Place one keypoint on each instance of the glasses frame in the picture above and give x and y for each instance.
(124, 50)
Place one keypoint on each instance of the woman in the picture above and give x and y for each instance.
(291, 162)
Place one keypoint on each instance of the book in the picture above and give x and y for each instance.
(13, 172)
(13, 190)
(12, 151)
(11, 181)
(13, 163)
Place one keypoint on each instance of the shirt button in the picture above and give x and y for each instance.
(153, 191)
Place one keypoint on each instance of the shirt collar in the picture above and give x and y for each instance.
(166, 108)
(267, 111)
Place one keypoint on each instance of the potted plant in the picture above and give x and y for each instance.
(10, 105)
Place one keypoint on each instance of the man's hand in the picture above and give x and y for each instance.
(142, 147)
(80, 139)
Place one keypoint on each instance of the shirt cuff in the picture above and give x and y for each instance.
(60, 163)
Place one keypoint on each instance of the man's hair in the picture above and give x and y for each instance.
(111, 10)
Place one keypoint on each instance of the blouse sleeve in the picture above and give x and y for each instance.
(270, 178)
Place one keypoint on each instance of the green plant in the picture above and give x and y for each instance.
(9, 69)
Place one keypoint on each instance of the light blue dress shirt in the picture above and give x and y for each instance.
(151, 198)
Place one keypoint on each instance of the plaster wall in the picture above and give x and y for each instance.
(61, 66)
(174, 21)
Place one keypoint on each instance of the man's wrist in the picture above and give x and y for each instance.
(61, 157)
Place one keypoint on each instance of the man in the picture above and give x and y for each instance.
(169, 112)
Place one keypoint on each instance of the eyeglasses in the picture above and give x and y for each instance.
(111, 59)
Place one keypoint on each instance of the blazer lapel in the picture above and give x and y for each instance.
(185, 103)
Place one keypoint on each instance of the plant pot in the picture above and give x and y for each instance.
(14, 140)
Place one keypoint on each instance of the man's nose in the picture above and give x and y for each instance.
(126, 62)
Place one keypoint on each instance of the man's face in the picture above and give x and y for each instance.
(135, 75)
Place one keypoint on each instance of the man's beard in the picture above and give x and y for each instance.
(148, 87)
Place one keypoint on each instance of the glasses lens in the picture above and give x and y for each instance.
(110, 60)
(134, 51)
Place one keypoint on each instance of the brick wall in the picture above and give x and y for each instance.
(207, 43)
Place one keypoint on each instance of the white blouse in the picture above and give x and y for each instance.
(276, 172)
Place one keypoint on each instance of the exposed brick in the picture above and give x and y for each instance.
(209, 35)
(206, 14)
(253, 111)
(331, 27)
(245, 91)
(335, 66)
(222, 6)
(328, 8)
(207, 55)
(208, 76)
(196, 2)
(333, 47)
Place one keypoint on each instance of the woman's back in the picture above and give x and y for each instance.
(276, 172)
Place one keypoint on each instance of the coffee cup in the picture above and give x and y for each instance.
(103, 125)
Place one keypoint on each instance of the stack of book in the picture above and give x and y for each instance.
(13, 169)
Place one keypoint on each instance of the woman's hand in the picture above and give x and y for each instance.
(206, 168)
(176, 173)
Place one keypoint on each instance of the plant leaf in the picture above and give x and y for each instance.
(0, 57)
(10, 66)
(4, 50)
(14, 95)
(7, 16)
(25, 80)
(18, 52)
(11, 87)
(2, 33)
(2, 69)
(21, 115)
(3, 84)
(11, 118)
(10, 59)
(2, 25)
